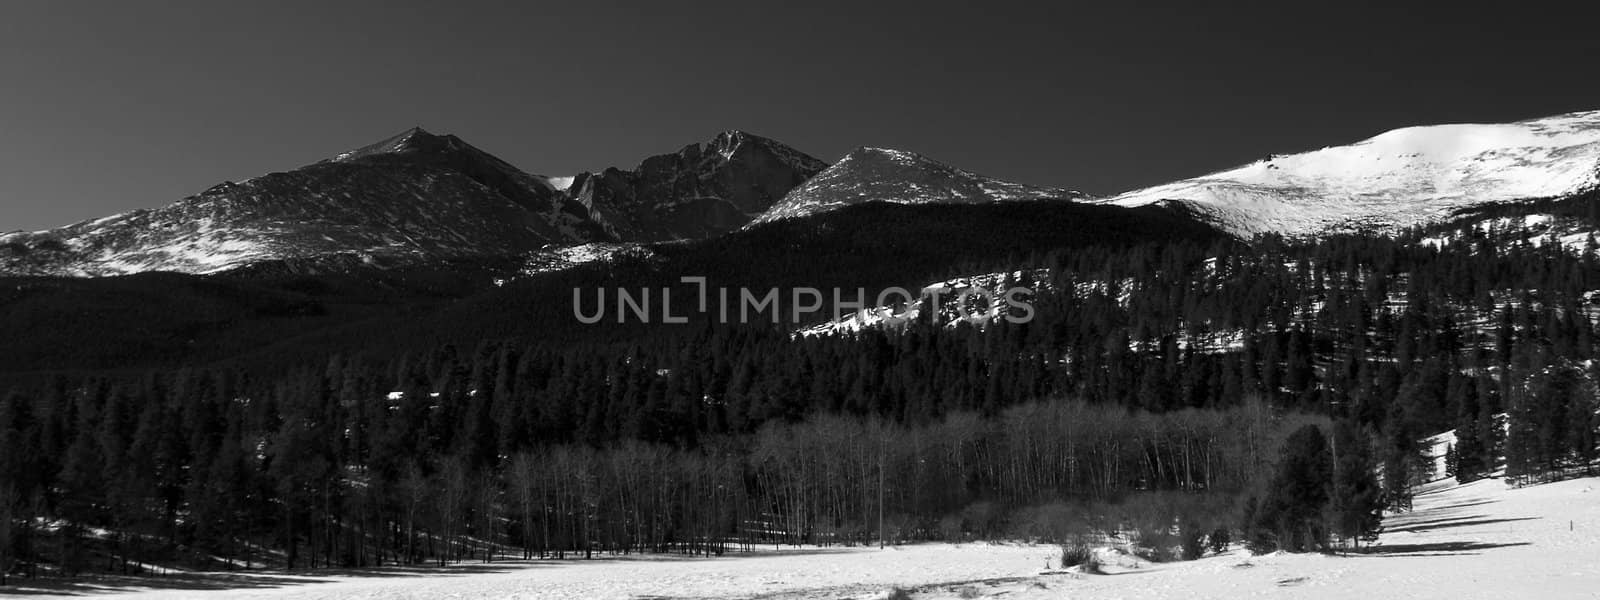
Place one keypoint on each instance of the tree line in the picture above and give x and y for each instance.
(117, 480)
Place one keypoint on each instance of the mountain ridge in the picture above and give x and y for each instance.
(417, 197)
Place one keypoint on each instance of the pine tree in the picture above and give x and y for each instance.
(1469, 452)
(1299, 493)
(1356, 497)
(1400, 460)
(9, 499)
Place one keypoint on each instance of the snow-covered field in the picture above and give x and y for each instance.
(1478, 540)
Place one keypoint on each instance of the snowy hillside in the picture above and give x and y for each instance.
(414, 196)
(1400, 178)
(885, 175)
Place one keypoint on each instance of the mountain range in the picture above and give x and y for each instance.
(418, 198)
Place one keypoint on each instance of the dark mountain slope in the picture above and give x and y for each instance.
(869, 246)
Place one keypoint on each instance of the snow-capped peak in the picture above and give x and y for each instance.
(870, 174)
(1399, 178)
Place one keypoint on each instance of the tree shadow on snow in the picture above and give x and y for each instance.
(111, 584)
(100, 584)
(1452, 507)
(1434, 548)
(1447, 523)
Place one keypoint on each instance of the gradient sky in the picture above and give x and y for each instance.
(109, 106)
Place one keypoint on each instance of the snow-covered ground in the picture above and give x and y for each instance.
(1479, 540)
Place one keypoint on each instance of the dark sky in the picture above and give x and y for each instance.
(108, 106)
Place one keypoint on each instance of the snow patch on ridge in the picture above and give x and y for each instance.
(567, 257)
(560, 183)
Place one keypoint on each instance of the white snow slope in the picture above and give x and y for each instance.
(1479, 540)
(1400, 178)
(951, 311)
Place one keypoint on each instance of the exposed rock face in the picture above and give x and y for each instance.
(700, 191)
